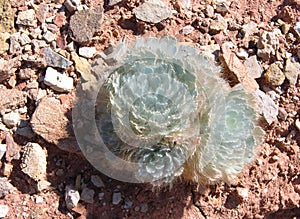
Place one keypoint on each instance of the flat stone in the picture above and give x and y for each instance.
(13, 99)
(87, 195)
(51, 121)
(267, 107)
(5, 187)
(4, 46)
(84, 24)
(27, 18)
(6, 17)
(49, 36)
(237, 68)
(87, 52)
(153, 11)
(11, 119)
(81, 64)
(217, 25)
(292, 70)
(58, 81)
(97, 181)
(2, 150)
(274, 76)
(3, 211)
(253, 67)
(34, 161)
(54, 59)
(72, 197)
(116, 198)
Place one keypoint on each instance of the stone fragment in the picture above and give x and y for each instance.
(222, 8)
(87, 52)
(268, 44)
(298, 53)
(114, 2)
(72, 197)
(242, 193)
(3, 211)
(83, 24)
(15, 46)
(42, 12)
(292, 70)
(87, 195)
(253, 67)
(58, 81)
(187, 30)
(236, 68)
(24, 39)
(26, 73)
(49, 36)
(274, 76)
(81, 64)
(60, 20)
(242, 53)
(152, 11)
(12, 149)
(249, 28)
(27, 18)
(266, 106)
(6, 17)
(6, 169)
(34, 161)
(116, 198)
(144, 207)
(2, 150)
(13, 99)
(210, 51)
(39, 199)
(209, 11)
(51, 121)
(217, 25)
(297, 124)
(4, 46)
(97, 181)
(297, 30)
(25, 132)
(71, 5)
(53, 59)
(5, 187)
(11, 119)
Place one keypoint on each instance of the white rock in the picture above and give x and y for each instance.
(297, 124)
(3, 211)
(187, 30)
(24, 39)
(249, 28)
(114, 2)
(253, 67)
(71, 5)
(39, 199)
(2, 150)
(49, 36)
(267, 106)
(72, 197)
(292, 70)
(87, 52)
(97, 181)
(58, 81)
(11, 119)
(27, 18)
(297, 30)
(116, 198)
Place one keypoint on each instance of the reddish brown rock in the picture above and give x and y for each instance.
(13, 99)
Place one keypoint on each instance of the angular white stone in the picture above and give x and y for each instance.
(2, 150)
(3, 211)
(27, 18)
(72, 197)
(11, 119)
(58, 81)
(87, 52)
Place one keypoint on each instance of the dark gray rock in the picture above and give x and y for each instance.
(54, 59)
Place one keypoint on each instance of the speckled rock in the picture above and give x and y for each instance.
(274, 76)
(13, 99)
(268, 44)
(6, 17)
(34, 161)
(27, 18)
(54, 59)
(5, 187)
(4, 46)
(217, 25)
(83, 24)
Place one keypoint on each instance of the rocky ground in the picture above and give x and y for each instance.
(47, 45)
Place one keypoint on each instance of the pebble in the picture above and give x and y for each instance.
(222, 8)
(144, 207)
(282, 114)
(274, 76)
(11, 119)
(2, 150)
(27, 18)
(114, 2)
(266, 106)
(42, 12)
(54, 59)
(128, 204)
(72, 197)
(39, 199)
(3, 211)
(242, 53)
(242, 193)
(187, 30)
(249, 29)
(97, 181)
(4, 46)
(116, 198)
(87, 52)
(87, 195)
(49, 36)
(267, 45)
(297, 30)
(24, 39)
(71, 5)
(292, 70)
(58, 81)
(209, 11)
(253, 67)
(152, 11)
(297, 124)
(101, 195)
(81, 64)
(34, 161)
(83, 24)
(14, 46)
(217, 25)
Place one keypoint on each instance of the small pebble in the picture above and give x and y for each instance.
(39, 199)
(116, 198)
(3, 211)
(11, 119)
(2, 150)
(297, 124)
(72, 197)
(87, 195)
(87, 52)
(97, 181)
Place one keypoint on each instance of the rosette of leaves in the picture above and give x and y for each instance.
(165, 107)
